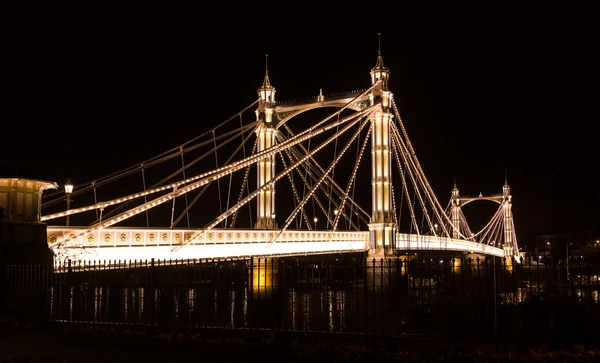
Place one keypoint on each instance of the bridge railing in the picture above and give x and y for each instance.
(145, 237)
(438, 243)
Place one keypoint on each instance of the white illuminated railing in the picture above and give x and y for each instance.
(434, 243)
(144, 243)
(158, 244)
(122, 237)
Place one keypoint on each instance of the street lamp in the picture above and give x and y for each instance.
(315, 220)
(435, 227)
(335, 211)
(68, 191)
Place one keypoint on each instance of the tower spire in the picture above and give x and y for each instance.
(266, 83)
(380, 71)
(455, 189)
(266, 92)
(506, 187)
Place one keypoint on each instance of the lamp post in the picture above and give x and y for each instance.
(315, 220)
(435, 227)
(68, 191)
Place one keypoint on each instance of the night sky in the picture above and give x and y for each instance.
(478, 98)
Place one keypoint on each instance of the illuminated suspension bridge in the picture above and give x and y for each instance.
(215, 195)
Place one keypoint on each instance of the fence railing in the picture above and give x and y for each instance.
(485, 297)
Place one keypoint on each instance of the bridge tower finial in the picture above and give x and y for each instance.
(380, 71)
(266, 86)
(505, 187)
(455, 188)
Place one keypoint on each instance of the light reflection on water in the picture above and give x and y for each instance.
(323, 309)
(314, 306)
(317, 309)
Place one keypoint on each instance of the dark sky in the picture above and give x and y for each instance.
(479, 99)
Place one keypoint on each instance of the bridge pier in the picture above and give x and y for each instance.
(382, 272)
(264, 275)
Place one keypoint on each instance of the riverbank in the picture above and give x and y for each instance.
(55, 343)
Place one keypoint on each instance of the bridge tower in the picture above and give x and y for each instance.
(382, 226)
(455, 212)
(508, 223)
(265, 133)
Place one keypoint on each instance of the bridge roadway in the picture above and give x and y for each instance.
(126, 243)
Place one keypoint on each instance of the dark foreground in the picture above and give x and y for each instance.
(30, 343)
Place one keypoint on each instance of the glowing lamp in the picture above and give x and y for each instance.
(68, 187)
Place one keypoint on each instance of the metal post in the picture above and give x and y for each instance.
(495, 299)
(68, 206)
(145, 196)
(152, 293)
(69, 285)
(251, 293)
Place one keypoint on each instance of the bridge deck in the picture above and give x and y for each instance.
(165, 244)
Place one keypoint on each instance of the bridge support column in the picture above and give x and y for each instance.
(455, 212)
(382, 226)
(265, 276)
(265, 133)
(509, 246)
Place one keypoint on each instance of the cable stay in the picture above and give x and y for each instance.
(162, 157)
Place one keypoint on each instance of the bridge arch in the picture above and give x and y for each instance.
(287, 112)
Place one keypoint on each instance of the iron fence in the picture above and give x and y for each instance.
(454, 296)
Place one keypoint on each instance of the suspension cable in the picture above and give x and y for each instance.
(333, 174)
(353, 175)
(244, 186)
(404, 183)
(218, 180)
(416, 160)
(331, 166)
(185, 195)
(270, 151)
(155, 188)
(308, 168)
(203, 190)
(164, 156)
(320, 171)
(210, 176)
(294, 190)
(145, 197)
